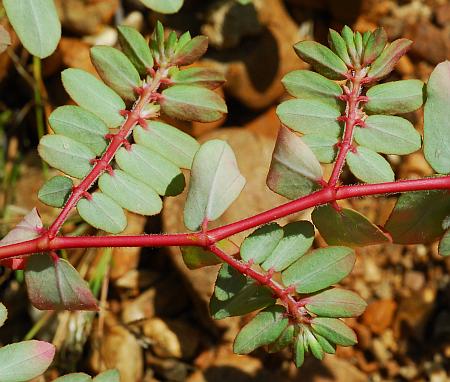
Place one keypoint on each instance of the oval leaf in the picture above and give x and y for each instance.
(108, 376)
(265, 328)
(314, 345)
(388, 135)
(335, 302)
(346, 227)
(66, 154)
(189, 51)
(437, 117)
(215, 183)
(369, 166)
(36, 23)
(334, 330)
(374, 46)
(168, 141)
(192, 103)
(386, 61)
(260, 244)
(25, 360)
(152, 169)
(299, 349)
(310, 116)
(3, 314)
(319, 269)
(74, 377)
(93, 95)
(56, 191)
(135, 47)
(297, 239)
(283, 341)
(396, 97)
(53, 283)
(116, 70)
(130, 193)
(306, 84)
(324, 148)
(164, 6)
(444, 245)
(294, 170)
(28, 229)
(322, 59)
(338, 45)
(417, 217)
(80, 125)
(208, 78)
(103, 213)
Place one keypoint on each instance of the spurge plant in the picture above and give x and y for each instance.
(116, 154)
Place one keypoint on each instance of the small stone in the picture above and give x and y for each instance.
(171, 338)
(382, 354)
(379, 315)
(414, 280)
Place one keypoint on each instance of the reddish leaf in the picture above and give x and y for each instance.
(386, 61)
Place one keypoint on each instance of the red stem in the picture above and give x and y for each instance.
(133, 117)
(205, 239)
(351, 118)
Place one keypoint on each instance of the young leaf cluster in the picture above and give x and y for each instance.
(86, 145)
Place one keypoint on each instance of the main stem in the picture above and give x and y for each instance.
(102, 164)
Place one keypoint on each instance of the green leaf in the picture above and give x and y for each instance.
(396, 97)
(65, 154)
(294, 170)
(103, 213)
(265, 328)
(135, 47)
(369, 166)
(314, 345)
(310, 116)
(437, 117)
(152, 169)
(326, 346)
(258, 246)
(388, 135)
(25, 360)
(116, 70)
(319, 269)
(297, 239)
(53, 283)
(335, 302)
(189, 51)
(3, 314)
(299, 349)
(164, 6)
(346, 227)
(192, 103)
(29, 228)
(324, 148)
(93, 95)
(206, 77)
(310, 85)
(334, 330)
(338, 45)
(236, 295)
(349, 38)
(358, 43)
(215, 183)
(74, 377)
(108, 376)
(374, 46)
(386, 61)
(417, 217)
(130, 193)
(171, 143)
(197, 257)
(444, 246)
(56, 191)
(322, 59)
(284, 340)
(36, 23)
(80, 125)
